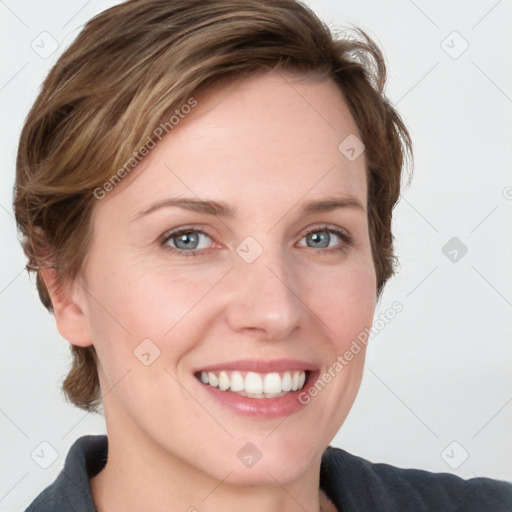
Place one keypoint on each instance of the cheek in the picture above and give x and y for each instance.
(346, 302)
(162, 298)
(133, 301)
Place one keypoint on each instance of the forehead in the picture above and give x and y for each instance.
(265, 139)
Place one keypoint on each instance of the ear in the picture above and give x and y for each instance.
(67, 301)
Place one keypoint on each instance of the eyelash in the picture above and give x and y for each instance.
(347, 240)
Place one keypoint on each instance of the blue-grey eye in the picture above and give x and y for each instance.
(190, 240)
(321, 238)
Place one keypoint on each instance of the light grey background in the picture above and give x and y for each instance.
(438, 382)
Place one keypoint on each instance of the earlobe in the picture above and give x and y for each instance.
(72, 323)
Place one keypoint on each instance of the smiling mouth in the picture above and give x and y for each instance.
(255, 385)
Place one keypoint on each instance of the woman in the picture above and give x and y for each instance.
(244, 135)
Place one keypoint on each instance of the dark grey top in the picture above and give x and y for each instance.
(352, 483)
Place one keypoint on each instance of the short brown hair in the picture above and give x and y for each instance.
(130, 68)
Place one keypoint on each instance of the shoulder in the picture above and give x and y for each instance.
(354, 483)
(70, 490)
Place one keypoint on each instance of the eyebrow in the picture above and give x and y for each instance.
(222, 209)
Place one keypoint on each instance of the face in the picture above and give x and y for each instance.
(232, 266)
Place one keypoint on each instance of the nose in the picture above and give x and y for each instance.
(265, 299)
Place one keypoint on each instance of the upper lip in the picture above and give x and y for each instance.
(261, 366)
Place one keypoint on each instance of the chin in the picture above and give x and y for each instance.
(265, 461)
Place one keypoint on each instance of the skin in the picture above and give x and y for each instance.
(264, 146)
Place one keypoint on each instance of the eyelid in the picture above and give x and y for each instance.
(327, 227)
(171, 233)
(346, 238)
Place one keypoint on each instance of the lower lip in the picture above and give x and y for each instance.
(262, 408)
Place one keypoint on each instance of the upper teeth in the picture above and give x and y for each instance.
(255, 383)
